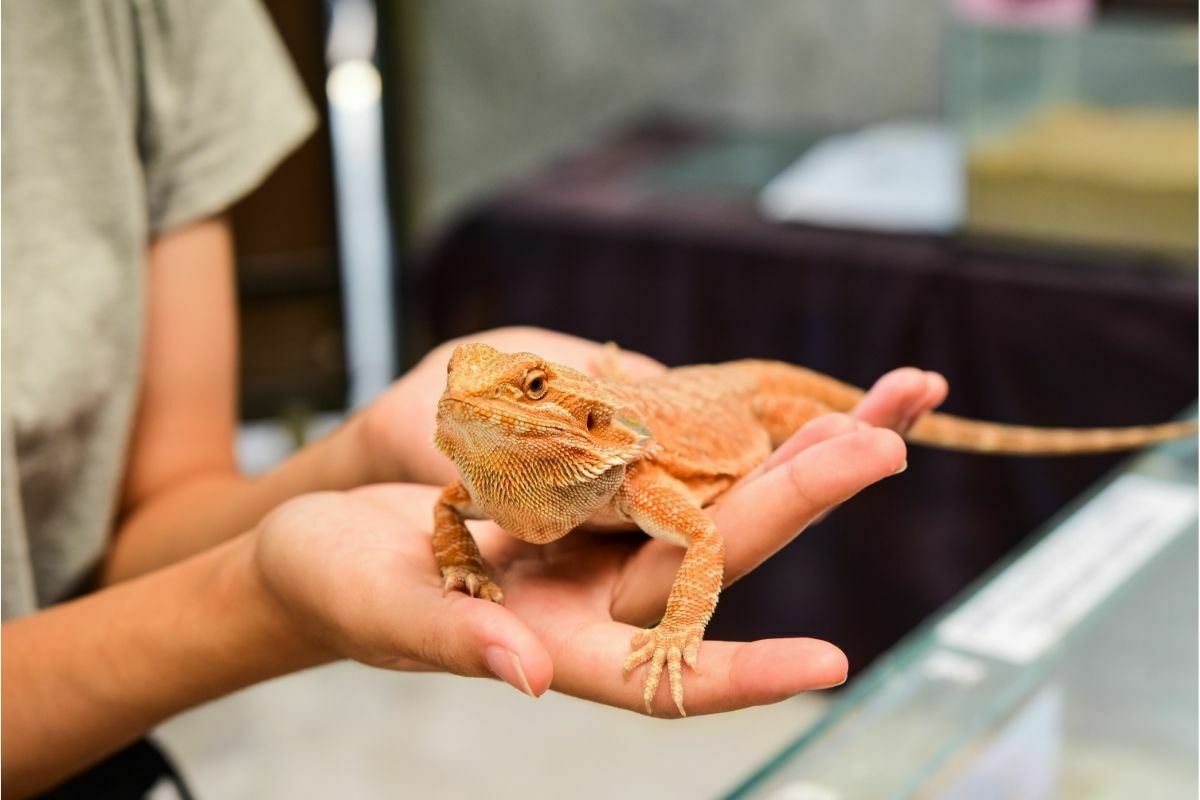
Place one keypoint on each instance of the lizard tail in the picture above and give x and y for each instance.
(789, 396)
(956, 433)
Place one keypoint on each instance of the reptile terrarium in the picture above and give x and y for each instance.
(1081, 135)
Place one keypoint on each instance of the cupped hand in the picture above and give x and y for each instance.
(356, 572)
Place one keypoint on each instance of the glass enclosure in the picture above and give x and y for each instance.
(1069, 672)
(1079, 134)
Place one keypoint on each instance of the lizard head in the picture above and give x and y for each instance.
(517, 425)
(521, 403)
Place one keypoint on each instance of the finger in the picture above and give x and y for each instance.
(901, 397)
(470, 636)
(637, 366)
(817, 430)
(812, 432)
(731, 675)
(768, 512)
(762, 515)
(406, 664)
(938, 391)
(892, 399)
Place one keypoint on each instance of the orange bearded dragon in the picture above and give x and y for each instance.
(542, 449)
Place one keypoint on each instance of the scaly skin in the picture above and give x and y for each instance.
(542, 449)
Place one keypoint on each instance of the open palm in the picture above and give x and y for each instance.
(357, 569)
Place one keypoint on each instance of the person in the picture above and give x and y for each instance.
(143, 574)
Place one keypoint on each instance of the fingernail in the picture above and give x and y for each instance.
(505, 665)
(903, 467)
(835, 685)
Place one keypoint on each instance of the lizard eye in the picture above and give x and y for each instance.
(535, 384)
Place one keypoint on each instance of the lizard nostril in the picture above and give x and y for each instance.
(591, 420)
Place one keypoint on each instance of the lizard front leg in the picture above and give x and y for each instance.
(456, 552)
(661, 506)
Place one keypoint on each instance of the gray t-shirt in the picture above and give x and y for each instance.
(122, 120)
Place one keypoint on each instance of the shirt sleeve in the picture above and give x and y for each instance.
(220, 105)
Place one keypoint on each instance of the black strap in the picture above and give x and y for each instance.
(128, 774)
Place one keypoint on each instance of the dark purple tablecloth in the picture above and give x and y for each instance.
(590, 247)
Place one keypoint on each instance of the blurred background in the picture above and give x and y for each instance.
(1001, 190)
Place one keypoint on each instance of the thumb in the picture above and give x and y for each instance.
(471, 636)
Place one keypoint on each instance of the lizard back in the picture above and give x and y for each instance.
(690, 412)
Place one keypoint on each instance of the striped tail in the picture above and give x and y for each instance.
(956, 433)
(790, 395)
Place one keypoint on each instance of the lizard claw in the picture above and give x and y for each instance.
(473, 582)
(665, 646)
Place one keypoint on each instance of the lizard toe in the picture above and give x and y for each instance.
(471, 581)
(490, 591)
(639, 656)
(653, 676)
(675, 677)
(665, 647)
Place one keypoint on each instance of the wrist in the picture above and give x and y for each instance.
(345, 459)
(384, 435)
(84, 677)
(367, 436)
(266, 621)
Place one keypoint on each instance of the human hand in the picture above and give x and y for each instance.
(397, 428)
(357, 574)
(900, 398)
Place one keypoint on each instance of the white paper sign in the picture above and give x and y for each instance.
(1030, 606)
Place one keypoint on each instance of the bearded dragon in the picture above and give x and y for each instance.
(542, 449)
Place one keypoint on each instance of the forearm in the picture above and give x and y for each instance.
(211, 507)
(83, 679)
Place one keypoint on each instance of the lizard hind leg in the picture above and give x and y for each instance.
(783, 415)
(457, 555)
